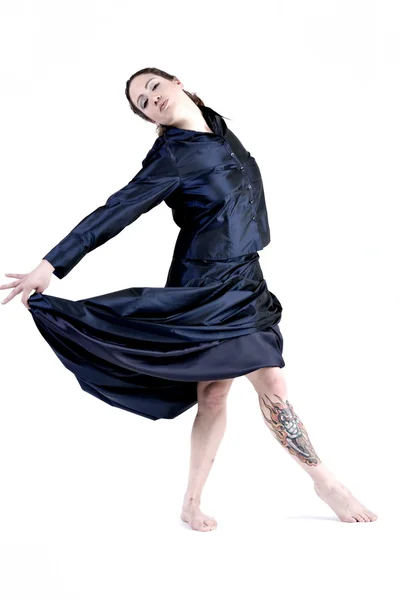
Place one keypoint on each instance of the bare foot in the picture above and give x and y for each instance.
(197, 520)
(343, 503)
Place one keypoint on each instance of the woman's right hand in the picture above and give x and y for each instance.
(38, 280)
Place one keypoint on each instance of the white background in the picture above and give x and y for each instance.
(91, 495)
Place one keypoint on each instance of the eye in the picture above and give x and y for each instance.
(144, 105)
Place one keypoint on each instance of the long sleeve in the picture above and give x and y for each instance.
(157, 179)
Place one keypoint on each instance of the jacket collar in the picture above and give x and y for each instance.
(213, 119)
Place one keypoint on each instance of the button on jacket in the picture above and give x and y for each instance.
(209, 180)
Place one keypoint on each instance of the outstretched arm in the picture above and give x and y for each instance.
(156, 180)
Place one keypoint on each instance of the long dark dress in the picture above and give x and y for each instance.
(143, 349)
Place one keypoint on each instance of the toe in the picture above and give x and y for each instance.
(348, 519)
(360, 518)
(353, 519)
(366, 517)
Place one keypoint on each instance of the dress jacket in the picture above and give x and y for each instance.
(209, 180)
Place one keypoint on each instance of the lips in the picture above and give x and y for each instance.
(163, 103)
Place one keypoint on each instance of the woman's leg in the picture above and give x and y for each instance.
(208, 430)
(278, 414)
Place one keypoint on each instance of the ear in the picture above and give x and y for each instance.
(178, 82)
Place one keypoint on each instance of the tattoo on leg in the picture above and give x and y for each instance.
(288, 429)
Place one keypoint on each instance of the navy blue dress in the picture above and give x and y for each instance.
(143, 349)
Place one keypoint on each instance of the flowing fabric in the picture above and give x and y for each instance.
(143, 349)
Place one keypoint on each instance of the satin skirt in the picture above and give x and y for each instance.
(143, 349)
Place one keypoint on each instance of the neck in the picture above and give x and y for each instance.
(192, 119)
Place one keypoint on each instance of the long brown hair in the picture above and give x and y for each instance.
(160, 128)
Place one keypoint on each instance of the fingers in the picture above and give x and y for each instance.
(9, 285)
(12, 284)
(24, 299)
(12, 295)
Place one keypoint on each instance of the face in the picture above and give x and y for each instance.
(148, 92)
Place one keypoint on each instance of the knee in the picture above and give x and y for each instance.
(212, 395)
(269, 378)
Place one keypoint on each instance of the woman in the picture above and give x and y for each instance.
(157, 351)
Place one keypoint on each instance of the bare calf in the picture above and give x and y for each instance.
(208, 430)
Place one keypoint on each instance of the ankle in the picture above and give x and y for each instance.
(192, 499)
(320, 474)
